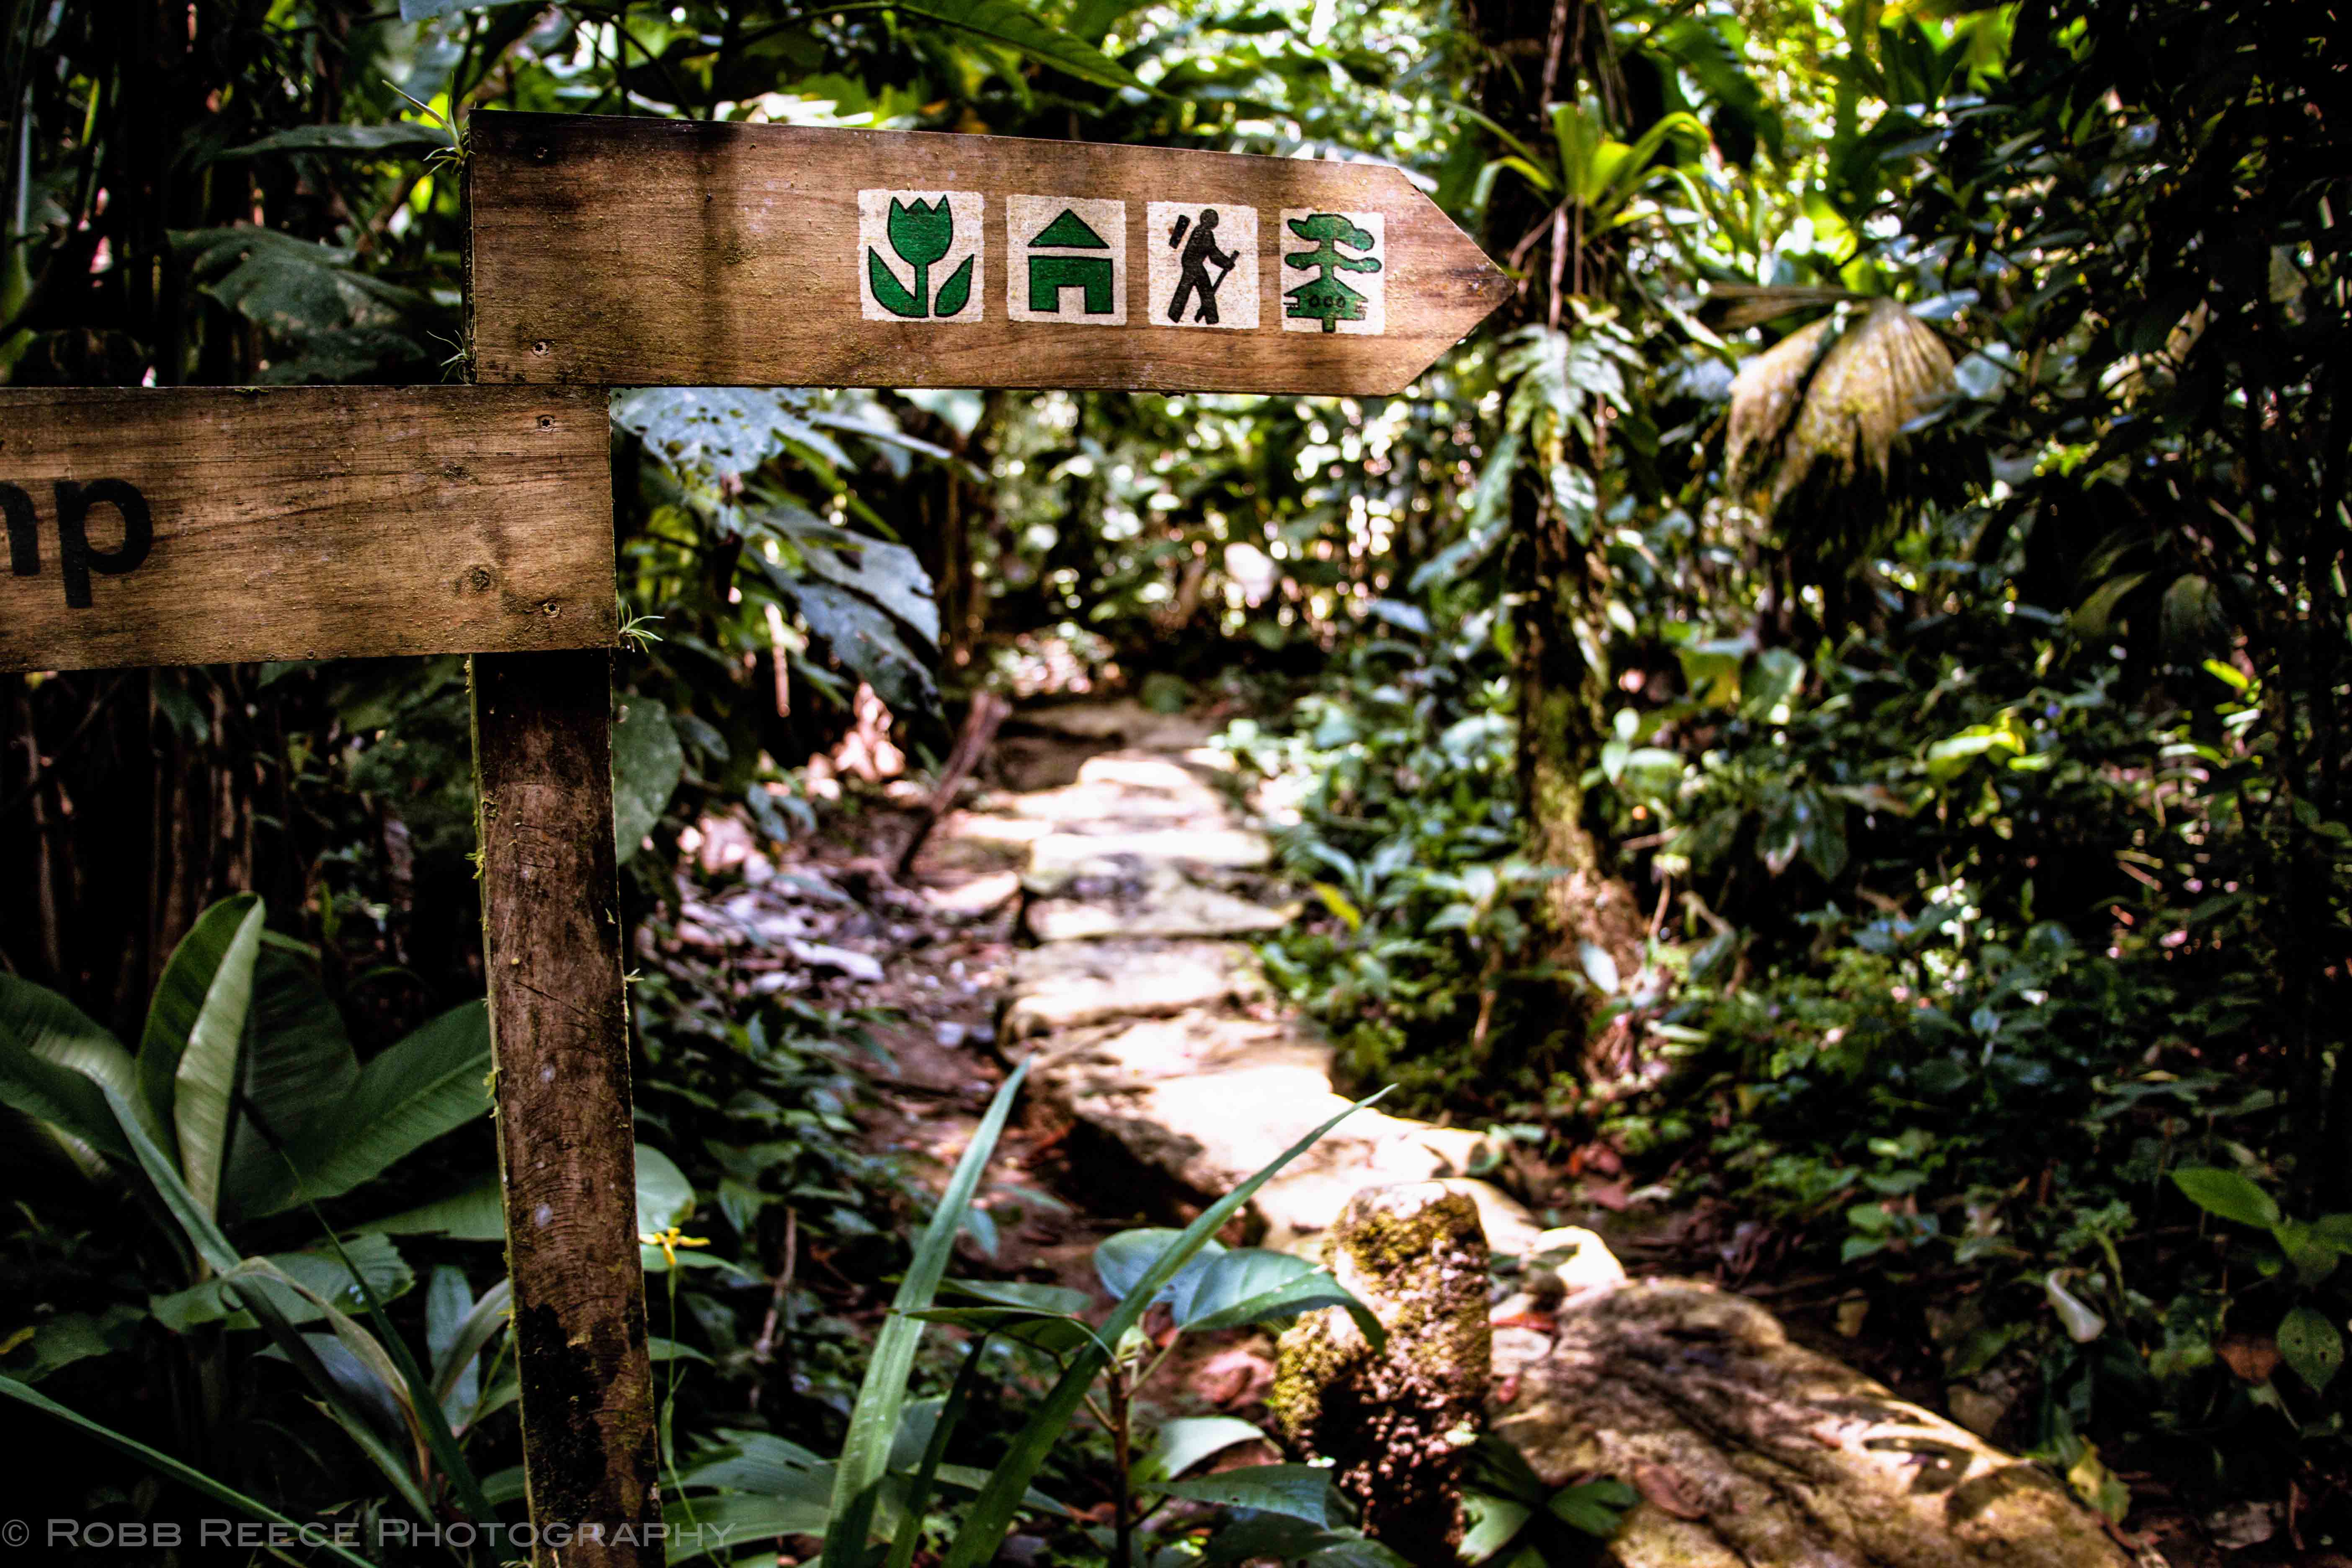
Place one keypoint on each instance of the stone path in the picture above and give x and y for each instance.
(1148, 1018)
(1145, 1007)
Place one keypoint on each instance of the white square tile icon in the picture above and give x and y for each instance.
(919, 255)
(1201, 264)
(1334, 272)
(1066, 261)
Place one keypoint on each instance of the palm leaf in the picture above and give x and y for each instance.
(298, 1071)
(203, 1086)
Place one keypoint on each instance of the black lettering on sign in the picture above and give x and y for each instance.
(77, 557)
(23, 537)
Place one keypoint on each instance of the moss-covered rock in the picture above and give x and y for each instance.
(1398, 1425)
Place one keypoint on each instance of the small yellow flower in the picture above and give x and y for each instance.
(669, 1241)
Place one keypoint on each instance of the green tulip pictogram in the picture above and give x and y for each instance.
(921, 234)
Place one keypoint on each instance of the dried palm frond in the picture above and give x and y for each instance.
(1835, 391)
(1752, 304)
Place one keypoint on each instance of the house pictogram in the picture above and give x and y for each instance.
(1058, 260)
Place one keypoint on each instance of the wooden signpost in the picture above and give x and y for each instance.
(671, 252)
(183, 526)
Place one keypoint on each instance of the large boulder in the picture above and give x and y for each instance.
(1748, 1449)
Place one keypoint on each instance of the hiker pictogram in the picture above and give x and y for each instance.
(1066, 259)
(1333, 245)
(1203, 262)
(1201, 253)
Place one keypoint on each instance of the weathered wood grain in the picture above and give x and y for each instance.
(559, 1025)
(685, 253)
(302, 522)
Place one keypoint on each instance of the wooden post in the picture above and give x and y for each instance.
(552, 944)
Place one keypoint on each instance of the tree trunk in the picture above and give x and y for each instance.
(1537, 53)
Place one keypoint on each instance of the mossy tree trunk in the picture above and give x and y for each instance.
(1537, 53)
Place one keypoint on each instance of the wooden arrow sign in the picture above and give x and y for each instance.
(201, 525)
(630, 252)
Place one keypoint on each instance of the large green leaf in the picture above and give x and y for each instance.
(664, 1199)
(298, 1070)
(434, 1080)
(647, 763)
(398, 141)
(474, 1214)
(456, 1376)
(1124, 1257)
(2309, 1342)
(2227, 1193)
(1001, 22)
(203, 1235)
(866, 638)
(69, 1337)
(200, 1008)
(1183, 1443)
(1254, 1285)
(293, 287)
(889, 574)
(1298, 1492)
(212, 1061)
(326, 1276)
(56, 1066)
(721, 431)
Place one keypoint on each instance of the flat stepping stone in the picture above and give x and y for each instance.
(1167, 905)
(1068, 985)
(1059, 858)
(1136, 1054)
(1128, 790)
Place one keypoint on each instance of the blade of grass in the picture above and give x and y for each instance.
(187, 1475)
(874, 1421)
(910, 1525)
(990, 1518)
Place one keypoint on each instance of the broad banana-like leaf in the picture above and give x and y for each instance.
(298, 1071)
(55, 1064)
(430, 1083)
(195, 1040)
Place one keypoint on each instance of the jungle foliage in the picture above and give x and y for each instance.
(1830, 712)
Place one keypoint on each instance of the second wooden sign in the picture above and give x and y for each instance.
(204, 525)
